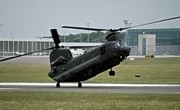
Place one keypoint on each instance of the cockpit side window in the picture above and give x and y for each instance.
(70, 53)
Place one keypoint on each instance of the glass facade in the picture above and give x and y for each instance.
(169, 36)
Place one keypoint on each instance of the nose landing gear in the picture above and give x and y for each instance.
(112, 73)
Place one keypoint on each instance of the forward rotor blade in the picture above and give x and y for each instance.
(120, 29)
(85, 28)
(168, 19)
(25, 54)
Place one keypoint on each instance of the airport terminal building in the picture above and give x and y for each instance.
(159, 41)
(142, 42)
(13, 47)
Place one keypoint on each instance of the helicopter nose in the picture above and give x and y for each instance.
(126, 51)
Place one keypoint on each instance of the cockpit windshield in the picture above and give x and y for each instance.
(123, 44)
(116, 44)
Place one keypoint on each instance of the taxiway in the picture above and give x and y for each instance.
(93, 87)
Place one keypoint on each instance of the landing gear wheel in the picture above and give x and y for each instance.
(111, 73)
(58, 85)
(79, 84)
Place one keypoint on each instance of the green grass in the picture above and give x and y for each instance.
(162, 70)
(21, 100)
(24, 73)
(165, 70)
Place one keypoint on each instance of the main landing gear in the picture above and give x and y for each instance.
(58, 84)
(79, 84)
(112, 73)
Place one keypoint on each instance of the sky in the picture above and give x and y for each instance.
(26, 19)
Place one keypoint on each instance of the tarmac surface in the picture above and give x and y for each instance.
(93, 87)
(28, 60)
(45, 59)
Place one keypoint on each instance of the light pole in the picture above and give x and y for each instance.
(2, 43)
(127, 24)
(88, 30)
(13, 44)
(0, 26)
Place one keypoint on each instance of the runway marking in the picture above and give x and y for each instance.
(85, 85)
(91, 84)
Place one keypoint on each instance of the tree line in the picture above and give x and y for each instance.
(84, 37)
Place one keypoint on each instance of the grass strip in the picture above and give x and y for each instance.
(42, 100)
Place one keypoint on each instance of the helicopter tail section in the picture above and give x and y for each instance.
(58, 57)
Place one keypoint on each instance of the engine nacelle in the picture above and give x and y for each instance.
(60, 60)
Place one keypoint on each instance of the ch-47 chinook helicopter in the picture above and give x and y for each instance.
(65, 68)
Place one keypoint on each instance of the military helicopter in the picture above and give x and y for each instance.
(65, 68)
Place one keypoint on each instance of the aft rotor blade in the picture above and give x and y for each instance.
(25, 54)
(85, 28)
(46, 37)
(168, 19)
(55, 37)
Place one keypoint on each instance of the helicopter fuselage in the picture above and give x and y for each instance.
(89, 64)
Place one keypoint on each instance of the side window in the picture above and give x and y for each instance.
(103, 50)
